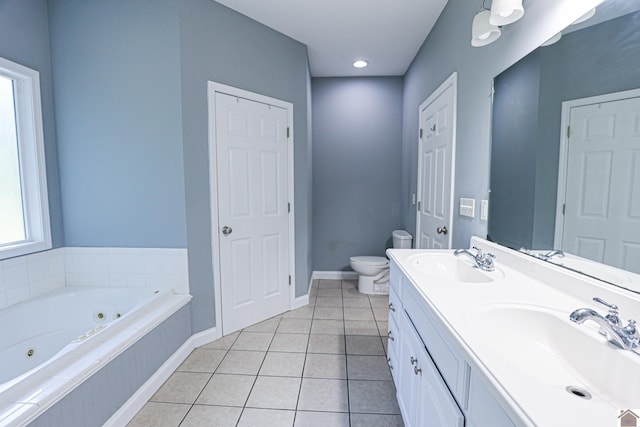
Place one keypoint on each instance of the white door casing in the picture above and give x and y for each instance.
(599, 180)
(436, 167)
(251, 179)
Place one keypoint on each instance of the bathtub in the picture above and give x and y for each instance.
(50, 344)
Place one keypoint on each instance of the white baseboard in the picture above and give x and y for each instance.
(334, 275)
(301, 301)
(148, 389)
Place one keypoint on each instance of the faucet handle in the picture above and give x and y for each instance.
(612, 317)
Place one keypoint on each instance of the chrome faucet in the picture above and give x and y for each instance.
(554, 253)
(484, 261)
(626, 337)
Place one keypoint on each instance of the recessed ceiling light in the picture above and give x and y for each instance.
(360, 63)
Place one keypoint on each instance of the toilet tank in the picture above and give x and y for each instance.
(401, 239)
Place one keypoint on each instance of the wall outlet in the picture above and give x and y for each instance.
(467, 207)
(484, 210)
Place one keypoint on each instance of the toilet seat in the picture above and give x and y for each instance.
(372, 261)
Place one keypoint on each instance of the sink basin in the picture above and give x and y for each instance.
(447, 267)
(552, 349)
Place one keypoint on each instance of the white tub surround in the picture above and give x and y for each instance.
(84, 330)
(30, 276)
(503, 343)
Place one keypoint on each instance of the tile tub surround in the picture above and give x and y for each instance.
(32, 275)
(302, 368)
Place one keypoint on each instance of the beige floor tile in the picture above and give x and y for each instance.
(305, 312)
(255, 341)
(223, 343)
(372, 420)
(327, 327)
(383, 328)
(269, 325)
(325, 366)
(335, 302)
(159, 415)
(252, 417)
(357, 303)
(365, 345)
(373, 397)
(330, 292)
(323, 395)
(379, 301)
(352, 293)
(274, 393)
(241, 362)
(227, 390)
(360, 327)
(358, 314)
(212, 416)
(181, 387)
(328, 313)
(330, 344)
(283, 364)
(368, 368)
(381, 314)
(290, 343)
(202, 360)
(321, 419)
(329, 284)
(349, 284)
(294, 326)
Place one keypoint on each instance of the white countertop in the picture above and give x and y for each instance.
(516, 331)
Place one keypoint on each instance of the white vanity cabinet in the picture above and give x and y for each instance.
(432, 378)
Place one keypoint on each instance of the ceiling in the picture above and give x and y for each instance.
(387, 33)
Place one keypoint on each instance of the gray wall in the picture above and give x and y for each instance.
(448, 49)
(597, 60)
(221, 45)
(24, 39)
(117, 98)
(357, 130)
(513, 146)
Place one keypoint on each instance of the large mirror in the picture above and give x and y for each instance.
(565, 160)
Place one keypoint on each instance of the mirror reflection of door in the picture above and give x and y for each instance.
(602, 188)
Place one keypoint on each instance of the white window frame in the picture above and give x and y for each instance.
(33, 174)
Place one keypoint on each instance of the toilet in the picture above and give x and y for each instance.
(373, 271)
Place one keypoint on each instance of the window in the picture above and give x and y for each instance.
(24, 206)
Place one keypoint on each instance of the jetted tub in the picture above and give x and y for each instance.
(50, 344)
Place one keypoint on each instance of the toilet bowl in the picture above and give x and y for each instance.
(373, 274)
(373, 271)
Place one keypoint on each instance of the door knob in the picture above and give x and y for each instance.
(442, 230)
(226, 230)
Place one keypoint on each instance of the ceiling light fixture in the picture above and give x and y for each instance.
(584, 17)
(553, 39)
(360, 63)
(482, 32)
(505, 12)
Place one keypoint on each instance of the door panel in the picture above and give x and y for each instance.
(252, 188)
(602, 217)
(435, 181)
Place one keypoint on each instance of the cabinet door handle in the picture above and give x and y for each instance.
(414, 361)
(417, 370)
(389, 363)
(391, 307)
(390, 336)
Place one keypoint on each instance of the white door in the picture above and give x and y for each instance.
(602, 196)
(435, 167)
(253, 220)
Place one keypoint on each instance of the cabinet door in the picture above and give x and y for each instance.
(424, 399)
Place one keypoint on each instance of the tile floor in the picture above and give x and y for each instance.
(320, 365)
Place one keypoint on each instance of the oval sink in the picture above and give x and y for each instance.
(450, 268)
(557, 351)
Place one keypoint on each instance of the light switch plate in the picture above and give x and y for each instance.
(468, 207)
(484, 210)
(413, 199)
